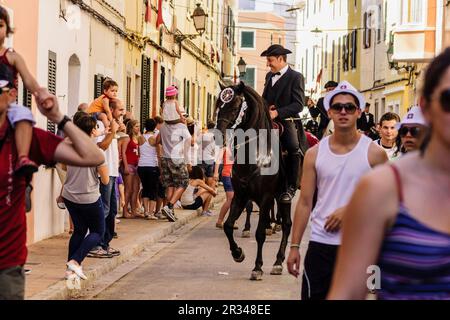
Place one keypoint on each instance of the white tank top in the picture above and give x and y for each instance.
(188, 196)
(148, 155)
(337, 177)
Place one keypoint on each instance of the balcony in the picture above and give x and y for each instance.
(414, 44)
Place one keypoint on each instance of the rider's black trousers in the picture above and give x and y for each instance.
(290, 143)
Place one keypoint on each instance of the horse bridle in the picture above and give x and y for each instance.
(226, 96)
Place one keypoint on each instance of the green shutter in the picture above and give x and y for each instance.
(247, 39)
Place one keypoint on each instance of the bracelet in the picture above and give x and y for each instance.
(63, 123)
(293, 245)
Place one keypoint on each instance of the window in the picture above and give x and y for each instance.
(248, 39)
(354, 48)
(367, 31)
(380, 23)
(145, 87)
(339, 61)
(128, 94)
(346, 50)
(333, 53)
(247, 5)
(413, 11)
(250, 77)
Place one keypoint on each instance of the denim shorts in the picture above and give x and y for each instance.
(227, 185)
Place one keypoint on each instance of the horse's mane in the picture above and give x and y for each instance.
(258, 116)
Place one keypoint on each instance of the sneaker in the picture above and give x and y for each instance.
(170, 214)
(117, 221)
(99, 253)
(151, 217)
(27, 271)
(208, 213)
(113, 252)
(178, 205)
(77, 269)
(160, 215)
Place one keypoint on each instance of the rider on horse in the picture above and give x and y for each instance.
(284, 93)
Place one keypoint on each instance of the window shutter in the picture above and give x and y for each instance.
(354, 48)
(27, 98)
(145, 88)
(346, 52)
(98, 84)
(51, 84)
(128, 98)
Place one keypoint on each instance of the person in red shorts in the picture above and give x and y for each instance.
(47, 149)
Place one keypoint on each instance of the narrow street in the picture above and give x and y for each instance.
(195, 263)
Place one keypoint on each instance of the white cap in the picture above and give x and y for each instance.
(344, 87)
(414, 116)
(3, 83)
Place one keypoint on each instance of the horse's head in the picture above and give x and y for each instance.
(230, 107)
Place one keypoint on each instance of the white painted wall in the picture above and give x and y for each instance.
(55, 35)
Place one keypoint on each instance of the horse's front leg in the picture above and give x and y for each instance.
(237, 205)
(264, 219)
(285, 210)
(249, 209)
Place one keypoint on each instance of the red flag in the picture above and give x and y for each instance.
(160, 19)
(148, 11)
(319, 76)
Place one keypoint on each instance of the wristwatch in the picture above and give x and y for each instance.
(63, 122)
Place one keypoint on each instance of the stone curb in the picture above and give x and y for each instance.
(60, 291)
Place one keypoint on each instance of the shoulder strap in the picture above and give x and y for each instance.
(398, 182)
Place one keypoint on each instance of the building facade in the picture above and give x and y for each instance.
(446, 25)
(71, 46)
(257, 30)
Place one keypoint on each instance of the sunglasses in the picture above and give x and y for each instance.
(445, 100)
(414, 131)
(350, 108)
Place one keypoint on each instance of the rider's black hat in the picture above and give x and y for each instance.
(331, 84)
(275, 50)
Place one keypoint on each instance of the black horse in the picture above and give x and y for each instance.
(240, 107)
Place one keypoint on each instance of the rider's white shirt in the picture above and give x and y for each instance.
(277, 77)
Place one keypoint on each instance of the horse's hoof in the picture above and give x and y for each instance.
(269, 232)
(278, 227)
(246, 234)
(277, 270)
(256, 275)
(240, 256)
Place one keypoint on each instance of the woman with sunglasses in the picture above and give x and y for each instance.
(397, 226)
(412, 130)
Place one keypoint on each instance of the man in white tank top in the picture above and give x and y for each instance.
(333, 167)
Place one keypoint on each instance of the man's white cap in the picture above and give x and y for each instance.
(344, 87)
(3, 83)
(414, 116)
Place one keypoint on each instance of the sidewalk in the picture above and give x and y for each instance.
(47, 258)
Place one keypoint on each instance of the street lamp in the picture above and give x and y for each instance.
(242, 66)
(199, 16)
(200, 23)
